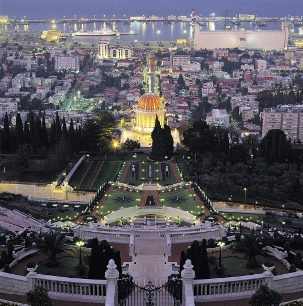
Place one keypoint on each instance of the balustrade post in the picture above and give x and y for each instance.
(132, 240)
(111, 276)
(188, 275)
(168, 241)
(268, 279)
(31, 280)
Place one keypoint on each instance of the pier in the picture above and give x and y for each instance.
(125, 20)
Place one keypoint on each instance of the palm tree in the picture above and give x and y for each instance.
(53, 244)
(251, 245)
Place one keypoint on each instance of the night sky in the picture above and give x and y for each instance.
(48, 9)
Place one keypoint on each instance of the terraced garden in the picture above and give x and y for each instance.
(91, 174)
(146, 171)
(118, 199)
(180, 199)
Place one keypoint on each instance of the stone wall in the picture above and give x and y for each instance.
(13, 284)
(291, 282)
(49, 191)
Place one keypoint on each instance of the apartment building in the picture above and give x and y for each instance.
(287, 118)
(67, 62)
(218, 117)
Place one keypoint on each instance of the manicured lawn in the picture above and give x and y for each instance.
(115, 200)
(235, 266)
(91, 175)
(155, 174)
(184, 168)
(181, 199)
(65, 268)
(108, 172)
(133, 180)
(76, 178)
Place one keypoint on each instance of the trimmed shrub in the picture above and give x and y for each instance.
(298, 259)
(7, 269)
(211, 243)
(27, 242)
(225, 240)
(265, 296)
(39, 297)
(292, 268)
(238, 237)
(287, 246)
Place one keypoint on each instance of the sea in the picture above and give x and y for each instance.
(143, 31)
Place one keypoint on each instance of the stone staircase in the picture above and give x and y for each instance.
(154, 268)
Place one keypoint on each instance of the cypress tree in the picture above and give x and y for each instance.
(32, 129)
(156, 138)
(58, 134)
(205, 270)
(281, 150)
(6, 135)
(19, 131)
(117, 259)
(182, 261)
(52, 139)
(94, 265)
(71, 135)
(44, 135)
(38, 134)
(168, 143)
(289, 157)
(162, 140)
(64, 129)
(78, 139)
(26, 133)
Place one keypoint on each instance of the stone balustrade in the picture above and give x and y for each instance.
(177, 234)
(105, 291)
(227, 288)
(64, 288)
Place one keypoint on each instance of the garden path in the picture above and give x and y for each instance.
(96, 176)
(140, 171)
(175, 172)
(160, 171)
(201, 204)
(124, 173)
(145, 194)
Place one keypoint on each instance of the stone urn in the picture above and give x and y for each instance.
(268, 267)
(31, 268)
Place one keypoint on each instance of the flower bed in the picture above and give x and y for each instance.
(8, 303)
(293, 303)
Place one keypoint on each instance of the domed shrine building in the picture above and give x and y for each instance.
(149, 107)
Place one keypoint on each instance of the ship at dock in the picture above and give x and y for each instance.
(102, 32)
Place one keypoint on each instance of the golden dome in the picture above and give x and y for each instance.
(150, 102)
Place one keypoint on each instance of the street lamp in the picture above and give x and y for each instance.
(115, 145)
(80, 243)
(245, 189)
(221, 244)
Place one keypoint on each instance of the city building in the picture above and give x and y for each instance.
(218, 117)
(177, 60)
(120, 52)
(67, 62)
(246, 17)
(103, 49)
(261, 65)
(288, 118)
(242, 39)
